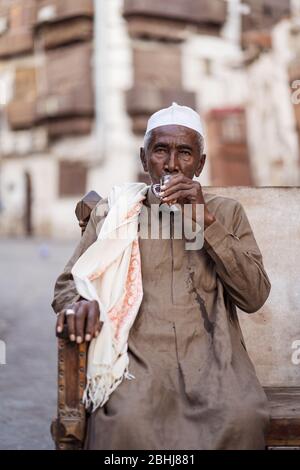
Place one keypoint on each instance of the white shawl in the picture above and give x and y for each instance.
(109, 271)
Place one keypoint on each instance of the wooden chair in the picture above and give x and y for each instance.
(68, 429)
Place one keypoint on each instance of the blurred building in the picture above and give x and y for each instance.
(79, 79)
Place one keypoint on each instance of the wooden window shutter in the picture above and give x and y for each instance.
(72, 178)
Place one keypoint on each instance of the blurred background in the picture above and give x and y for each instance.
(79, 79)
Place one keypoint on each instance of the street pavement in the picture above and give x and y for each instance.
(28, 269)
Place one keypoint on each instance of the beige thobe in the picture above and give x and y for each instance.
(195, 386)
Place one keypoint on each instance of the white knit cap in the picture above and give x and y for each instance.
(178, 115)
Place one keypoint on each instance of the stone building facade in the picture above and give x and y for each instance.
(79, 79)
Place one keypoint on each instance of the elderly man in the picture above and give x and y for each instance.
(167, 367)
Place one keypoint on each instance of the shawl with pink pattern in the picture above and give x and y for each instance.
(109, 271)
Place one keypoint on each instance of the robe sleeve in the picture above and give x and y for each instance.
(238, 261)
(65, 290)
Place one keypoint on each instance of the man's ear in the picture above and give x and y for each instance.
(200, 164)
(143, 159)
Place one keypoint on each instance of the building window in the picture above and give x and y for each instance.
(233, 129)
(72, 178)
(267, 10)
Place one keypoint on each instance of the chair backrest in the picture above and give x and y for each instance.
(84, 208)
(271, 335)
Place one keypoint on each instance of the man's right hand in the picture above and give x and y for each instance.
(84, 324)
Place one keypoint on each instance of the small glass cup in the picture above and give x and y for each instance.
(156, 188)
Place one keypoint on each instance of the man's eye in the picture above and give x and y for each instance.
(160, 150)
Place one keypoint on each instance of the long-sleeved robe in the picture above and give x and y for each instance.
(195, 386)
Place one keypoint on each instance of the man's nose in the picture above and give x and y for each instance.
(172, 164)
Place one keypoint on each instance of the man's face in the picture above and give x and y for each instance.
(173, 149)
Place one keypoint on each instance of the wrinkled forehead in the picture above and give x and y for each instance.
(174, 134)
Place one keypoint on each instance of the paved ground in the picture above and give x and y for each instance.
(28, 380)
